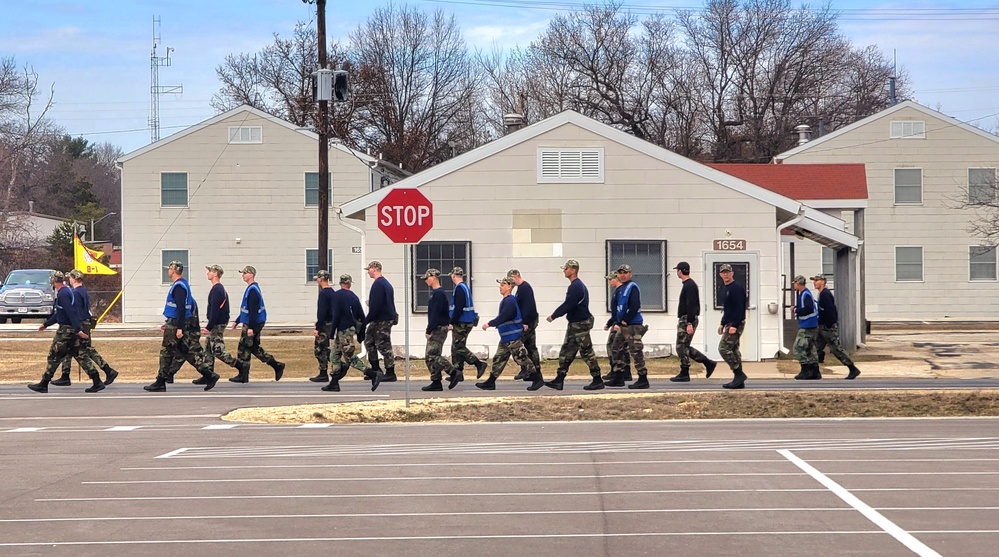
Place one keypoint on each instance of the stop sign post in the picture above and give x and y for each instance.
(405, 215)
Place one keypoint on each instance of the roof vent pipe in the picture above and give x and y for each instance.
(513, 122)
(804, 133)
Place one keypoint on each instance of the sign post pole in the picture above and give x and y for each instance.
(405, 297)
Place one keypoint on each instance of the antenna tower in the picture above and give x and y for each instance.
(155, 90)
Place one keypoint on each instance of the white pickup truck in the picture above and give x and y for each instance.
(26, 293)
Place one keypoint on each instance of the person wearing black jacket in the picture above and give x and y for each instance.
(437, 327)
(688, 311)
(324, 326)
(347, 324)
(218, 319)
(829, 328)
(529, 313)
(733, 322)
(576, 309)
(65, 341)
(382, 316)
(82, 305)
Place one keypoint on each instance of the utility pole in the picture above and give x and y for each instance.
(324, 143)
(155, 89)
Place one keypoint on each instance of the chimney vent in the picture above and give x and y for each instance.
(804, 133)
(513, 122)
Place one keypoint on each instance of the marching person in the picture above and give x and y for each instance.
(437, 327)
(510, 324)
(324, 326)
(688, 311)
(576, 309)
(631, 325)
(381, 317)
(615, 339)
(807, 314)
(218, 320)
(829, 328)
(347, 323)
(529, 312)
(463, 320)
(733, 322)
(65, 340)
(190, 348)
(252, 318)
(81, 301)
(177, 311)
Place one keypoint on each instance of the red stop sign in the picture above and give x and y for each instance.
(405, 215)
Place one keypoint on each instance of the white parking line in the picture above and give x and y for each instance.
(907, 539)
(314, 426)
(220, 426)
(25, 429)
(123, 428)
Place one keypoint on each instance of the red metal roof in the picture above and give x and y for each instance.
(803, 181)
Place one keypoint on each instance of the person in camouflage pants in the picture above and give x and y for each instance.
(576, 309)
(615, 342)
(436, 333)
(728, 346)
(509, 323)
(436, 362)
(323, 331)
(85, 346)
(190, 350)
(733, 322)
(217, 320)
(829, 328)
(345, 350)
(807, 313)
(382, 316)
(65, 341)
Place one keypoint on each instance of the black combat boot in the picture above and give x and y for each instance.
(433, 386)
(683, 376)
(737, 382)
(341, 372)
(537, 381)
(203, 380)
(488, 385)
(626, 376)
(595, 385)
(243, 375)
(377, 379)
(556, 383)
(211, 378)
(371, 372)
(97, 386)
(804, 372)
(169, 378)
(63, 381)
(40, 387)
(278, 370)
(109, 374)
(480, 369)
(616, 379)
(389, 375)
(816, 373)
(321, 377)
(523, 375)
(822, 357)
(158, 386)
(333, 386)
(709, 368)
(642, 383)
(457, 377)
(854, 372)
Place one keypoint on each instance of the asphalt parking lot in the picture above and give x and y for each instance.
(196, 485)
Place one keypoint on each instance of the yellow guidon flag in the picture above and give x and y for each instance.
(87, 260)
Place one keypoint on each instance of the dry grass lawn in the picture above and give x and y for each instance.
(646, 406)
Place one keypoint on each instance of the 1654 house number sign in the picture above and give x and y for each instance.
(730, 245)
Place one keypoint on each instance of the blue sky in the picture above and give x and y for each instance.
(96, 54)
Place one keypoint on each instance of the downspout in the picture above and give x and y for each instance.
(780, 270)
(363, 274)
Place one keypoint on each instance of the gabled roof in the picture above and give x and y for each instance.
(888, 112)
(824, 225)
(805, 182)
(229, 114)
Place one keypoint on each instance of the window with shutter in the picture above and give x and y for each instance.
(570, 165)
(908, 129)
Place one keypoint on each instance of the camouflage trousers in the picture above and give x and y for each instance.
(64, 344)
(250, 346)
(84, 346)
(345, 351)
(215, 348)
(321, 348)
(829, 335)
(577, 339)
(804, 346)
(615, 342)
(176, 351)
(728, 346)
(515, 349)
(460, 354)
(436, 362)
(530, 340)
(378, 340)
(684, 351)
(633, 346)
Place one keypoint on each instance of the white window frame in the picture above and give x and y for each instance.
(972, 200)
(922, 264)
(187, 190)
(894, 190)
(658, 277)
(165, 260)
(309, 273)
(246, 135)
(916, 129)
(563, 165)
(995, 265)
(830, 273)
(305, 189)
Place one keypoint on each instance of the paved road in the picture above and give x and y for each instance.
(172, 479)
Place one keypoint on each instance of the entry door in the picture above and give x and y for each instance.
(745, 268)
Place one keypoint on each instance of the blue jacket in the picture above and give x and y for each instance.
(82, 302)
(733, 304)
(65, 313)
(437, 310)
(508, 322)
(806, 310)
(172, 310)
(462, 310)
(381, 301)
(629, 304)
(525, 300)
(576, 306)
(251, 309)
